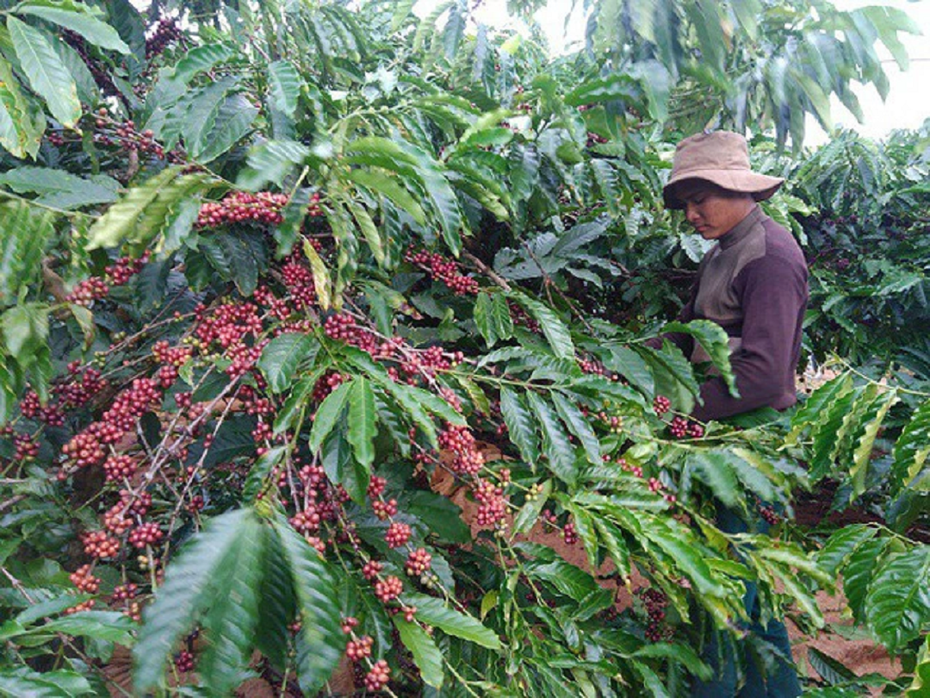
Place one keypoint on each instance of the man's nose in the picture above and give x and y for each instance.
(691, 213)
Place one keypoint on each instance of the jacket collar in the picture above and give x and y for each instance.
(741, 230)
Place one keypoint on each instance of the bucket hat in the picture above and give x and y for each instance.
(720, 157)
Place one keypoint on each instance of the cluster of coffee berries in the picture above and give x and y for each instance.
(359, 648)
(145, 534)
(388, 589)
(98, 545)
(119, 467)
(343, 327)
(84, 581)
(595, 139)
(79, 387)
(444, 270)
(25, 447)
(299, 281)
(681, 428)
(655, 603)
(521, 318)
(31, 407)
(418, 562)
(378, 676)
(461, 442)
(492, 504)
(125, 592)
(243, 207)
(83, 450)
(613, 422)
(768, 513)
(127, 137)
(397, 535)
(184, 662)
(100, 74)
(661, 405)
(87, 291)
(123, 269)
(227, 323)
(629, 468)
(117, 274)
(570, 533)
(166, 33)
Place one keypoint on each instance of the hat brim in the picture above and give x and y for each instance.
(760, 186)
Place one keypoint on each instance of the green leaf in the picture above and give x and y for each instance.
(482, 317)
(913, 447)
(556, 445)
(95, 31)
(283, 355)
(46, 73)
(841, 545)
(521, 424)
(19, 134)
(715, 342)
(369, 231)
(529, 512)
(578, 425)
(426, 654)
(259, 473)
(61, 189)
(921, 683)
(278, 604)
(859, 572)
(315, 589)
(818, 402)
(284, 83)
(433, 611)
(188, 589)
(361, 425)
(321, 280)
(15, 682)
(570, 580)
(296, 402)
(230, 124)
(120, 220)
(110, 626)
(341, 467)
(380, 183)
(680, 653)
(897, 606)
(612, 538)
(327, 415)
(201, 59)
(865, 440)
(714, 468)
(233, 616)
(556, 332)
(271, 161)
(440, 515)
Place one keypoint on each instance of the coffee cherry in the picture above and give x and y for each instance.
(378, 676)
(661, 405)
(388, 589)
(360, 648)
(84, 581)
(397, 534)
(418, 562)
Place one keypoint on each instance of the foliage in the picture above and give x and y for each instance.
(318, 324)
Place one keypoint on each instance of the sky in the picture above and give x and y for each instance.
(907, 105)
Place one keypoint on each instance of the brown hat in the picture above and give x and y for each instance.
(720, 157)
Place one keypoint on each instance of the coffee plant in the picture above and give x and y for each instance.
(326, 359)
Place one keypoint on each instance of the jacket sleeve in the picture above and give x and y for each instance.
(774, 295)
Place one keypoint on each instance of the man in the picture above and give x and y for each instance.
(753, 283)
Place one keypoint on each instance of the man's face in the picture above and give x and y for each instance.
(711, 210)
